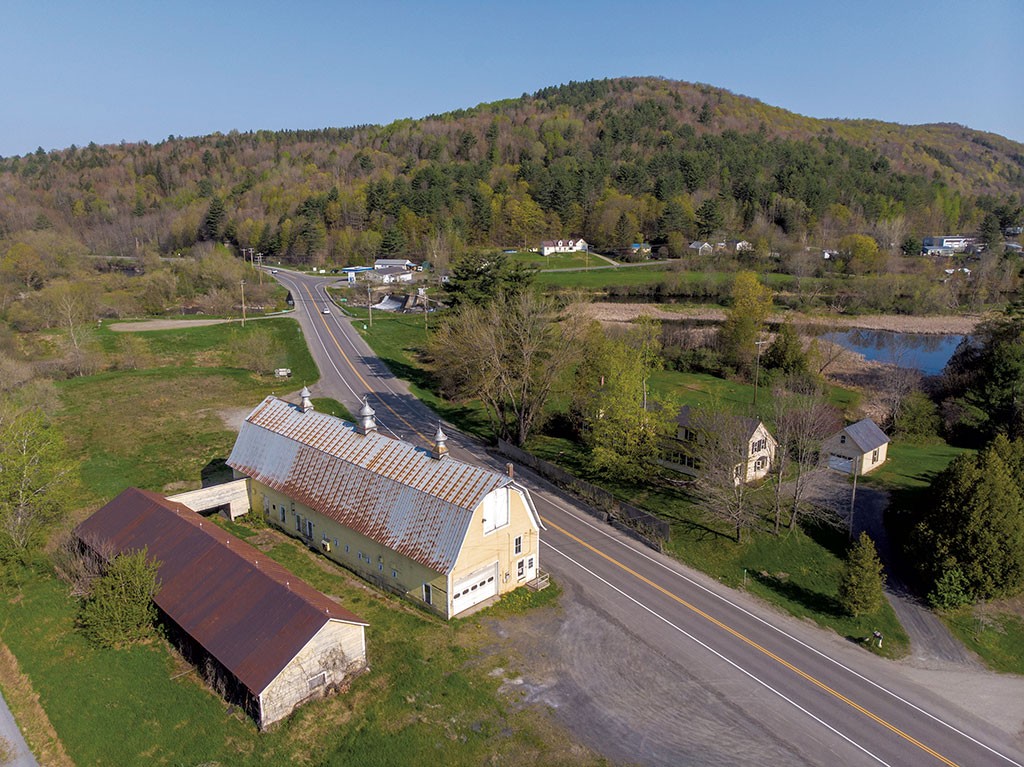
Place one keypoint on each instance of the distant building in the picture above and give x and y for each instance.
(563, 246)
(702, 248)
(391, 274)
(392, 263)
(640, 249)
(957, 242)
(858, 448)
(266, 638)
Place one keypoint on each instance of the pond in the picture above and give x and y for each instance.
(927, 352)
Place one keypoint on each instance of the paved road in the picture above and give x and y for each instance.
(787, 693)
(20, 755)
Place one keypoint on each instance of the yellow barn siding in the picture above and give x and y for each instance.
(370, 560)
(480, 549)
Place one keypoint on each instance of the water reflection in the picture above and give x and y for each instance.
(927, 352)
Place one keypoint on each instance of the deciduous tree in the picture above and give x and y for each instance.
(751, 302)
(508, 353)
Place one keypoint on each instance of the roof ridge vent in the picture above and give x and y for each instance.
(440, 449)
(366, 421)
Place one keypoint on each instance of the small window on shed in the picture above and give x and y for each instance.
(842, 439)
(318, 681)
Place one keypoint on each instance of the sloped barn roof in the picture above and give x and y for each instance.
(388, 490)
(246, 610)
(866, 435)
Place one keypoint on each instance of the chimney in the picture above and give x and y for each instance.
(440, 448)
(510, 469)
(366, 421)
(307, 403)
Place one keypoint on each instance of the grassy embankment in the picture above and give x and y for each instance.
(428, 696)
(797, 571)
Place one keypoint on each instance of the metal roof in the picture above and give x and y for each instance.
(388, 490)
(866, 435)
(246, 610)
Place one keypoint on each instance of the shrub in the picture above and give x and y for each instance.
(120, 609)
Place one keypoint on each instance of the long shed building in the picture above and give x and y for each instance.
(266, 639)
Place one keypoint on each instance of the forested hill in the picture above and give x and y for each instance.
(613, 161)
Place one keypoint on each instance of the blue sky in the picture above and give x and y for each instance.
(75, 72)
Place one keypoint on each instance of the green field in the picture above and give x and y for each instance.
(996, 636)
(556, 260)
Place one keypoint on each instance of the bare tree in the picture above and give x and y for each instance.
(803, 421)
(508, 353)
(721, 453)
(80, 561)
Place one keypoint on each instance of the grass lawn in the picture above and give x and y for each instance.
(997, 637)
(556, 260)
(598, 279)
(170, 417)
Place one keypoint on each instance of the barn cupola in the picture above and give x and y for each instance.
(307, 403)
(366, 422)
(440, 449)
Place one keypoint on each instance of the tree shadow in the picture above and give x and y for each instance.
(812, 600)
(831, 538)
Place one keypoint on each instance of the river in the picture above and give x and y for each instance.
(927, 352)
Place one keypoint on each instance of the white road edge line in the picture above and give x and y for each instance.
(717, 654)
(784, 633)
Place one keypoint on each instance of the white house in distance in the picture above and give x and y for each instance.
(858, 448)
(443, 533)
(390, 275)
(563, 246)
(702, 248)
(758, 453)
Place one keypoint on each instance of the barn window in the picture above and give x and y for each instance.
(518, 545)
(284, 514)
(495, 510)
(317, 681)
(394, 573)
(427, 596)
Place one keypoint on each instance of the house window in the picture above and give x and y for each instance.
(521, 569)
(518, 545)
(317, 681)
(427, 596)
(874, 456)
(760, 463)
(758, 445)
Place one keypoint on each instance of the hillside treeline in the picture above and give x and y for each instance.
(615, 161)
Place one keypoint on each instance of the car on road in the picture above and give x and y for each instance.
(273, 271)
(327, 310)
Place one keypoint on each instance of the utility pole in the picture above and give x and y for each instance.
(757, 368)
(259, 263)
(853, 494)
(243, 303)
(369, 305)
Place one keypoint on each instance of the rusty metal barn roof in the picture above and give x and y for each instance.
(246, 610)
(388, 490)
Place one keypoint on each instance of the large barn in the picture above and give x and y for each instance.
(266, 639)
(446, 534)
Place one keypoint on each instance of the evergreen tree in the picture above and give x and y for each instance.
(120, 609)
(860, 590)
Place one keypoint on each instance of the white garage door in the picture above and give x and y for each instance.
(475, 588)
(839, 463)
